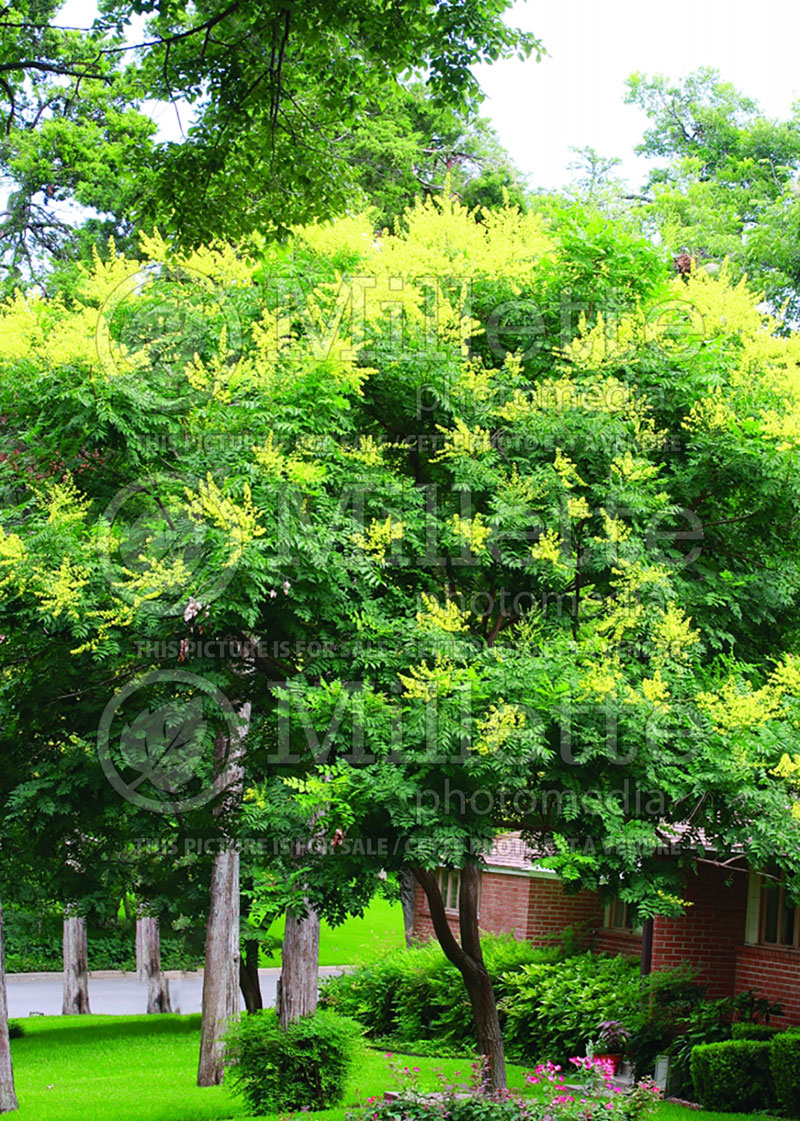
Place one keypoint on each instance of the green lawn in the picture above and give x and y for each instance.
(356, 941)
(142, 1068)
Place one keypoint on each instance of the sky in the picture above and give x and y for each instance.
(574, 96)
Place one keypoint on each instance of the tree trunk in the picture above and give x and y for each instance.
(148, 964)
(405, 879)
(8, 1098)
(299, 985)
(468, 959)
(248, 977)
(76, 973)
(221, 972)
(221, 967)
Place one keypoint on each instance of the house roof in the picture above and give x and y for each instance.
(510, 853)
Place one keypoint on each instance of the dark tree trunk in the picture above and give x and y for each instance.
(221, 972)
(76, 973)
(299, 986)
(8, 1097)
(248, 977)
(468, 959)
(407, 885)
(148, 964)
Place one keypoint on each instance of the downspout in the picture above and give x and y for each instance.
(647, 947)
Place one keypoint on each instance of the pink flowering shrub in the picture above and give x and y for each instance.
(585, 1093)
(590, 1093)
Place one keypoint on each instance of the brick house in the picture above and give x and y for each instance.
(737, 934)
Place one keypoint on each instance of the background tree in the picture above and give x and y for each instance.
(8, 1097)
(727, 181)
(411, 146)
(272, 90)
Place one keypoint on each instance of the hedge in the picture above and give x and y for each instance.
(734, 1075)
(745, 1029)
(785, 1061)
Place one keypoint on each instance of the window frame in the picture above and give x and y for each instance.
(631, 922)
(777, 944)
(449, 881)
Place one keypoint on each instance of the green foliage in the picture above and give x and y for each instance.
(15, 1029)
(785, 1061)
(304, 1066)
(411, 146)
(668, 1001)
(710, 1021)
(552, 1009)
(547, 606)
(416, 996)
(33, 944)
(263, 96)
(733, 1075)
(729, 188)
(744, 1029)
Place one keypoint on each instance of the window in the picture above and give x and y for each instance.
(449, 881)
(772, 917)
(780, 919)
(621, 916)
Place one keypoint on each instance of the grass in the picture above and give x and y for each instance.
(143, 1068)
(356, 941)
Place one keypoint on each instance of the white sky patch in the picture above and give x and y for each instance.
(574, 96)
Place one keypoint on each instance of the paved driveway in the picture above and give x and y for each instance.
(118, 994)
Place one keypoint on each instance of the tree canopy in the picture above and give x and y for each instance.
(266, 99)
(729, 186)
(491, 523)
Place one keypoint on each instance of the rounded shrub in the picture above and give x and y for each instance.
(785, 1061)
(304, 1066)
(734, 1075)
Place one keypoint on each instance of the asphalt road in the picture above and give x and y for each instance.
(120, 994)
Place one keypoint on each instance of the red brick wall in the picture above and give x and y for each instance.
(504, 904)
(618, 942)
(551, 910)
(535, 908)
(711, 932)
(503, 907)
(774, 973)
